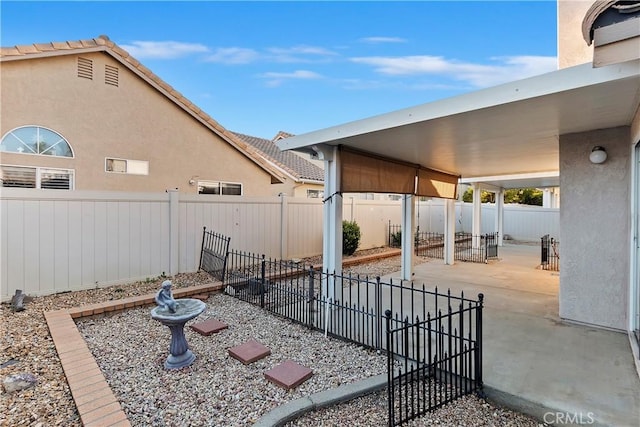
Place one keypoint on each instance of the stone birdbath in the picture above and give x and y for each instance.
(174, 314)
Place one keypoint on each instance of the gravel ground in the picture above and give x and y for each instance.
(216, 390)
(371, 410)
(230, 393)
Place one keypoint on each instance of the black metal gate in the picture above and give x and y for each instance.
(433, 361)
(549, 253)
(214, 253)
(491, 245)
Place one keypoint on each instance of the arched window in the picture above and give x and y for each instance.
(36, 140)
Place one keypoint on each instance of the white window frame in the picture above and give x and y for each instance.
(315, 194)
(205, 183)
(62, 138)
(127, 163)
(40, 169)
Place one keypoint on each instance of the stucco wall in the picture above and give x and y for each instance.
(572, 49)
(635, 128)
(595, 228)
(132, 121)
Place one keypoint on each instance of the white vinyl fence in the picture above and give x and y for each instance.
(54, 241)
(520, 222)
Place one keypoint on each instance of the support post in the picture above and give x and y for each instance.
(476, 225)
(332, 219)
(449, 231)
(500, 215)
(408, 241)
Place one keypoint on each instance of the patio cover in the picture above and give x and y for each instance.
(511, 129)
(508, 131)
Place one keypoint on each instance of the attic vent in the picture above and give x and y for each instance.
(85, 68)
(111, 75)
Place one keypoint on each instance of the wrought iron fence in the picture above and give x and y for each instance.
(429, 244)
(395, 235)
(214, 253)
(433, 361)
(549, 253)
(468, 248)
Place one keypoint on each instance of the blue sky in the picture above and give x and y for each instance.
(262, 67)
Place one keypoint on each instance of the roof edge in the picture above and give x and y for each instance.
(564, 80)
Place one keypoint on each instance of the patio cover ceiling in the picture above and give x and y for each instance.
(501, 133)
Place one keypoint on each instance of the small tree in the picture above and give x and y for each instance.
(350, 237)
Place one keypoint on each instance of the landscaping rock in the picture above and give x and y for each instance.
(17, 301)
(18, 382)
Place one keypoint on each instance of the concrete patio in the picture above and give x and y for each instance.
(562, 373)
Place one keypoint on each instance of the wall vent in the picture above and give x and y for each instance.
(85, 68)
(111, 75)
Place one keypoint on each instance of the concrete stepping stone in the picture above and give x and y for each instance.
(288, 374)
(208, 327)
(249, 352)
(201, 297)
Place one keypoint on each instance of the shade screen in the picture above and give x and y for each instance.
(367, 173)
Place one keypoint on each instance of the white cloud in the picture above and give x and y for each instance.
(300, 53)
(276, 79)
(162, 50)
(233, 55)
(479, 75)
(380, 39)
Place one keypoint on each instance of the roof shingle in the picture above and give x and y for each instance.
(295, 165)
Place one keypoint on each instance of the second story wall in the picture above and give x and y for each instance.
(128, 120)
(572, 49)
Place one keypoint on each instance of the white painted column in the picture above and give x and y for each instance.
(500, 215)
(546, 198)
(555, 197)
(408, 241)
(476, 224)
(332, 220)
(449, 230)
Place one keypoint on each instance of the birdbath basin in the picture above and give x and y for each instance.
(185, 310)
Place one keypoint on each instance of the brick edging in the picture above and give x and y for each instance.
(94, 399)
(365, 258)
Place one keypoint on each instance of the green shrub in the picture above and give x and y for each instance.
(350, 237)
(396, 239)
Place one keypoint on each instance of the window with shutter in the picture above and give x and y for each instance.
(36, 177)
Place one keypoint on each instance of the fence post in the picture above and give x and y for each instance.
(226, 260)
(486, 248)
(390, 390)
(204, 233)
(311, 296)
(262, 281)
(284, 226)
(544, 250)
(174, 231)
(378, 302)
(478, 354)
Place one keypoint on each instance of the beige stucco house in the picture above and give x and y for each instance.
(86, 115)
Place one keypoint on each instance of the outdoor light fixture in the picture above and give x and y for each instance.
(192, 181)
(598, 155)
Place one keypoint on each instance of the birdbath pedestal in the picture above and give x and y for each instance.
(185, 310)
